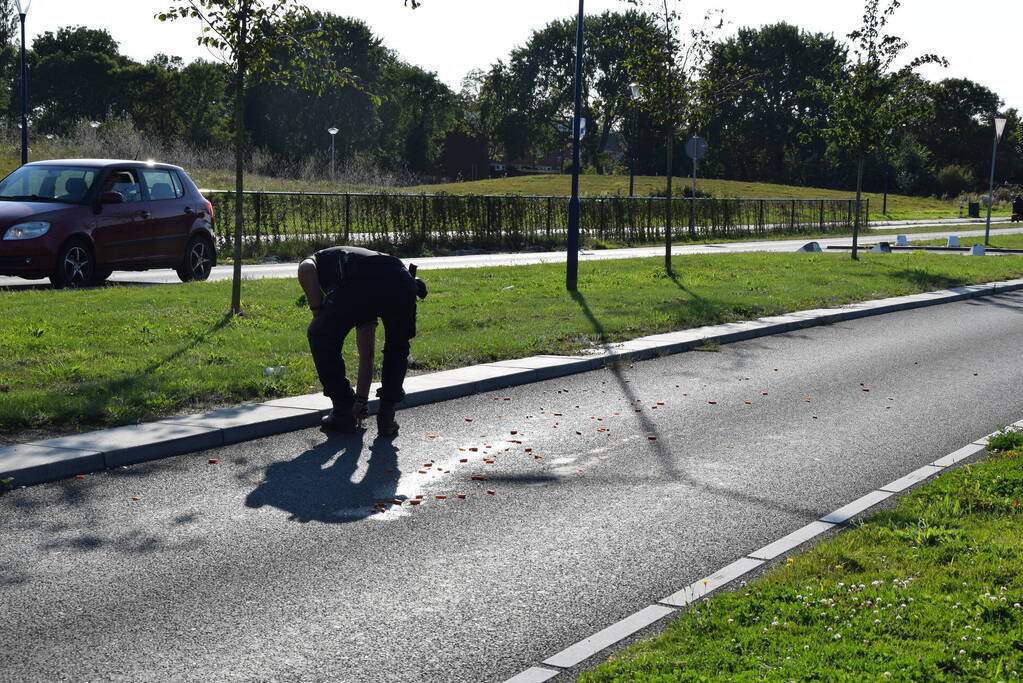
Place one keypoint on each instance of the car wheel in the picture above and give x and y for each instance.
(76, 266)
(199, 260)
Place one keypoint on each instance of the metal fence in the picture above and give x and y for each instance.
(289, 222)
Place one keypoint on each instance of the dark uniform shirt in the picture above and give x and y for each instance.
(335, 264)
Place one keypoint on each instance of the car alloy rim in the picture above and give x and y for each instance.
(75, 264)
(200, 263)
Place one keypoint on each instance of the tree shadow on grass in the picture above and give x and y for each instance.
(317, 485)
(927, 281)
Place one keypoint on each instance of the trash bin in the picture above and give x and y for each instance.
(974, 210)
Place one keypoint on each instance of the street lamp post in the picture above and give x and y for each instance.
(333, 133)
(999, 127)
(22, 11)
(572, 266)
(637, 92)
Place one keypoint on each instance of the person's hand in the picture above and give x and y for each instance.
(360, 409)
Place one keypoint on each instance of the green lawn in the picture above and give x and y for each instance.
(928, 591)
(118, 355)
(1001, 241)
(899, 206)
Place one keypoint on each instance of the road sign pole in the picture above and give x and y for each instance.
(572, 262)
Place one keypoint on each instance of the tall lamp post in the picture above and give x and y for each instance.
(999, 127)
(572, 269)
(637, 92)
(22, 11)
(333, 133)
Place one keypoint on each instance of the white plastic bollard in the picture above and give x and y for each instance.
(882, 248)
(977, 250)
(901, 241)
(953, 241)
(811, 247)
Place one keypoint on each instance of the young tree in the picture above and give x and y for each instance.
(670, 68)
(259, 40)
(869, 97)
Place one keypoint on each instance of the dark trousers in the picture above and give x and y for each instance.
(381, 289)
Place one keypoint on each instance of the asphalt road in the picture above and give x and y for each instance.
(288, 270)
(270, 564)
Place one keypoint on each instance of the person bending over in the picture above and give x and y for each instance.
(351, 288)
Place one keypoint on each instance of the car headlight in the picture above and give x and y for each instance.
(26, 231)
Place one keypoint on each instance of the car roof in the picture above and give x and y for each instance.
(103, 163)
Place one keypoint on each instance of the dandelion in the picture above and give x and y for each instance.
(838, 636)
(887, 674)
(962, 652)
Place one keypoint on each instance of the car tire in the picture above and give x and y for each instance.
(200, 258)
(76, 265)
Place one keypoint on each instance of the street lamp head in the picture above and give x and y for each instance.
(637, 91)
(22, 8)
(999, 127)
(332, 130)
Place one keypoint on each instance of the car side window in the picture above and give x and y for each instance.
(160, 184)
(124, 182)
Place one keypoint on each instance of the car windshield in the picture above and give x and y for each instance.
(48, 184)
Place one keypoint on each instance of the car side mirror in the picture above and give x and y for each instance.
(111, 198)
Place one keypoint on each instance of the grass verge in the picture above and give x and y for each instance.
(900, 207)
(928, 591)
(72, 360)
(997, 240)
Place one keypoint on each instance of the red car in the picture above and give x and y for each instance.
(77, 220)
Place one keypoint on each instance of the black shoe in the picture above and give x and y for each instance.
(340, 421)
(386, 426)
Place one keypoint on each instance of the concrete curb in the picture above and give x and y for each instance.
(52, 459)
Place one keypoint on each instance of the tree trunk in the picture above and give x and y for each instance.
(239, 162)
(859, 191)
(667, 212)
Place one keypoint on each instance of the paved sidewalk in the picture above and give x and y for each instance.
(52, 459)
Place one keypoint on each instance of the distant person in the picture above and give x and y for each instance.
(1017, 208)
(351, 288)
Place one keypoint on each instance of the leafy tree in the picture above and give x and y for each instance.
(755, 135)
(670, 70)
(291, 121)
(89, 58)
(959, 130)
(867, 97)
(419, 110)
(204, 103)
(259, 41)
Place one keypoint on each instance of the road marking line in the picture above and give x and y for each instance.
(914, 477)
(698, 589)
(786, 543)
(847, 512)
(955, 456)
(588, 647)
(536, 674)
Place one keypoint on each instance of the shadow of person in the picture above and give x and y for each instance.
(318, 486)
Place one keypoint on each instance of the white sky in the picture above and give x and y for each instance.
(451, 37)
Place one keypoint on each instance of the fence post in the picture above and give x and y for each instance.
(865, 223)
(822, 214)
(550, 216)
(259, 218)
(348, 217)
(792, 216)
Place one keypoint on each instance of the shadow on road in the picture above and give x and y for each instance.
(649, 428)
(318, 486)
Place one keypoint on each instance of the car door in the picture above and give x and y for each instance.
(122, 233)
(170, 217)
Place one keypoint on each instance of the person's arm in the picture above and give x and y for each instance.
(365, 340)
(310, 281)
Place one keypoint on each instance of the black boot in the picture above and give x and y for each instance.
(341, 419)
(386, 426)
